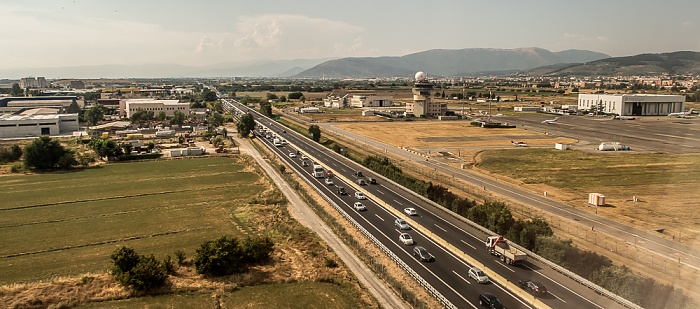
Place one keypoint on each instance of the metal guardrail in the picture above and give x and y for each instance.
(438, 296)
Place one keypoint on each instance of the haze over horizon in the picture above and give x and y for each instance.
(48, 33)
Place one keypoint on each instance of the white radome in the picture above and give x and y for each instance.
(421, 76)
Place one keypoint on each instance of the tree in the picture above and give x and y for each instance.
(127, 148)
(161, 116)
(315, 133)
(295, 95)
(215, 119)
(9, 154)
(178, 118)
(219, 257)
(271, 96)
(266, 109)
(283, 99)
(142, 273)
(105, 147)
(16, 90)
(94, 114)
(209, 96)
(45, 153)
(73, 108)
(245, 125)
(302, 99)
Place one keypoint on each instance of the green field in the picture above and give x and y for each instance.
(297, 295)
(68, 223)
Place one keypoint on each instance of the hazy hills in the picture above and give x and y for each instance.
(444, 62)
(681, 62)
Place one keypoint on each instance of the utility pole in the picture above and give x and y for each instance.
(463, 101)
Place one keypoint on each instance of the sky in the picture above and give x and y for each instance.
(58, 33)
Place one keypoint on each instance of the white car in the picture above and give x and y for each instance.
(478, 275)
(410, 211)
(304, 157)
(292, 155)
(329, 181)
(359, 207)
(360, 196)
(406, 239)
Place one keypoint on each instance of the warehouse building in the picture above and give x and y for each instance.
(371, 100)
(12, 126)
(156, 106)
(632, 104)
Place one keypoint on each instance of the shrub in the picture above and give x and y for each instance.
(180, 256)
(16, 167)
(257, 250)
(142, 273)
(10, 154)
(331, 263)
(219, 257)
(169, 265)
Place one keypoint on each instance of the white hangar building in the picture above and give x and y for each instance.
(632, 104)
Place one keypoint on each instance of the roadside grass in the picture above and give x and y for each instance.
(295, 295)
(61, 224)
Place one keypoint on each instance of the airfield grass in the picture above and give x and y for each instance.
(285, 295)
(61, 224)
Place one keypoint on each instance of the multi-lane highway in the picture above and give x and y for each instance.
(455, 245)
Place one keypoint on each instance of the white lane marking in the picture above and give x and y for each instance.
(466, 243)
(506, 267)
(380, 192)
(380, 218)
(397, 202)
(437, 226)
(511, 295)
(550, 293)
(559, 284)
(465, 280)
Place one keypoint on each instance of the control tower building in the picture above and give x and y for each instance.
(422, 106)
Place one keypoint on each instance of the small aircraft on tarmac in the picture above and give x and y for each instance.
(682, 114)
(550, 121)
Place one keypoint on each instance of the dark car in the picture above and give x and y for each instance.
(534, 287)
(341, 191)
(358, 174)
(490, 301)
(423, 254)
(372, 181)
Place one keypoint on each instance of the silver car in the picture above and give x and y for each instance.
(478, 275)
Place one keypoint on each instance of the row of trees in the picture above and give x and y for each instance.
(220, 257)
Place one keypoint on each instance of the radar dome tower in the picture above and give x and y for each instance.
(422, 106)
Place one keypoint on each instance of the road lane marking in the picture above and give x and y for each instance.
(559, 284)
(550, 293)
(465, 280)
(380, 192)
(504, 266)
(437, 226)
(380, 218)
(397, 202)
(466, 243)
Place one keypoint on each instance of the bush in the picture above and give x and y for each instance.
(331, 263)
(169, 265)
(16, 167)
(45, 153)
(142, 273)
(180, 256)
(10, 154)
(219, 257)
(257, 250)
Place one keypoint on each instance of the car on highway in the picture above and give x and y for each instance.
(361, 182)
(292, 155)
(341, 190)
(534, 287)
(329, 181)
(401, 224)
(360, 196)
(410, 211)
(304, 163)
(490, 301)
(357, 174)
(405, 239)
(304, 157)
(359, 207)
(423, 254)
(478, 275)
(372, 181)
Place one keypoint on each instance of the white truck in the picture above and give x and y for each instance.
(498, 246)
(319, 171)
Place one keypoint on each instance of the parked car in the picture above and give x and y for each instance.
(372, 181)
(490, 301)
(359, 207)
(357, 174)
(534, 287)
(423, 254)
(401, 224)
(406, 239)
(360, 196)
(478, 275)
(329, 181)
(341, 190)
(410, 211)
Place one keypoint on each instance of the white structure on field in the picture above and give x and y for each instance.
(422, 105)
(37, 125)
(334, 101)
(632, 104)
(371, 100)
(156, 106)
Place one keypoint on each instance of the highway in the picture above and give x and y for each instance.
(458, 244)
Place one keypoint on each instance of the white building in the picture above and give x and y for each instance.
(167, 106)
(334, 101)
(37, 125)
(632, 104)
(371, 100)
(422, 105)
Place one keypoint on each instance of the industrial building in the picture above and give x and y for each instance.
(632, 104)
(371, 100)
(335, 101)
(422, 105)
(167, 106)
(12, 126)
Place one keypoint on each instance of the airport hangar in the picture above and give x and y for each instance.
(633, 104)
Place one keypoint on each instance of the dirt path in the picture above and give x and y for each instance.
(302, 213)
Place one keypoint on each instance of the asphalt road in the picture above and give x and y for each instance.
(448, 274)
(567, 126)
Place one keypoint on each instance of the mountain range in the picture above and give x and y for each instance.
(674, 63)
(446, 62)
